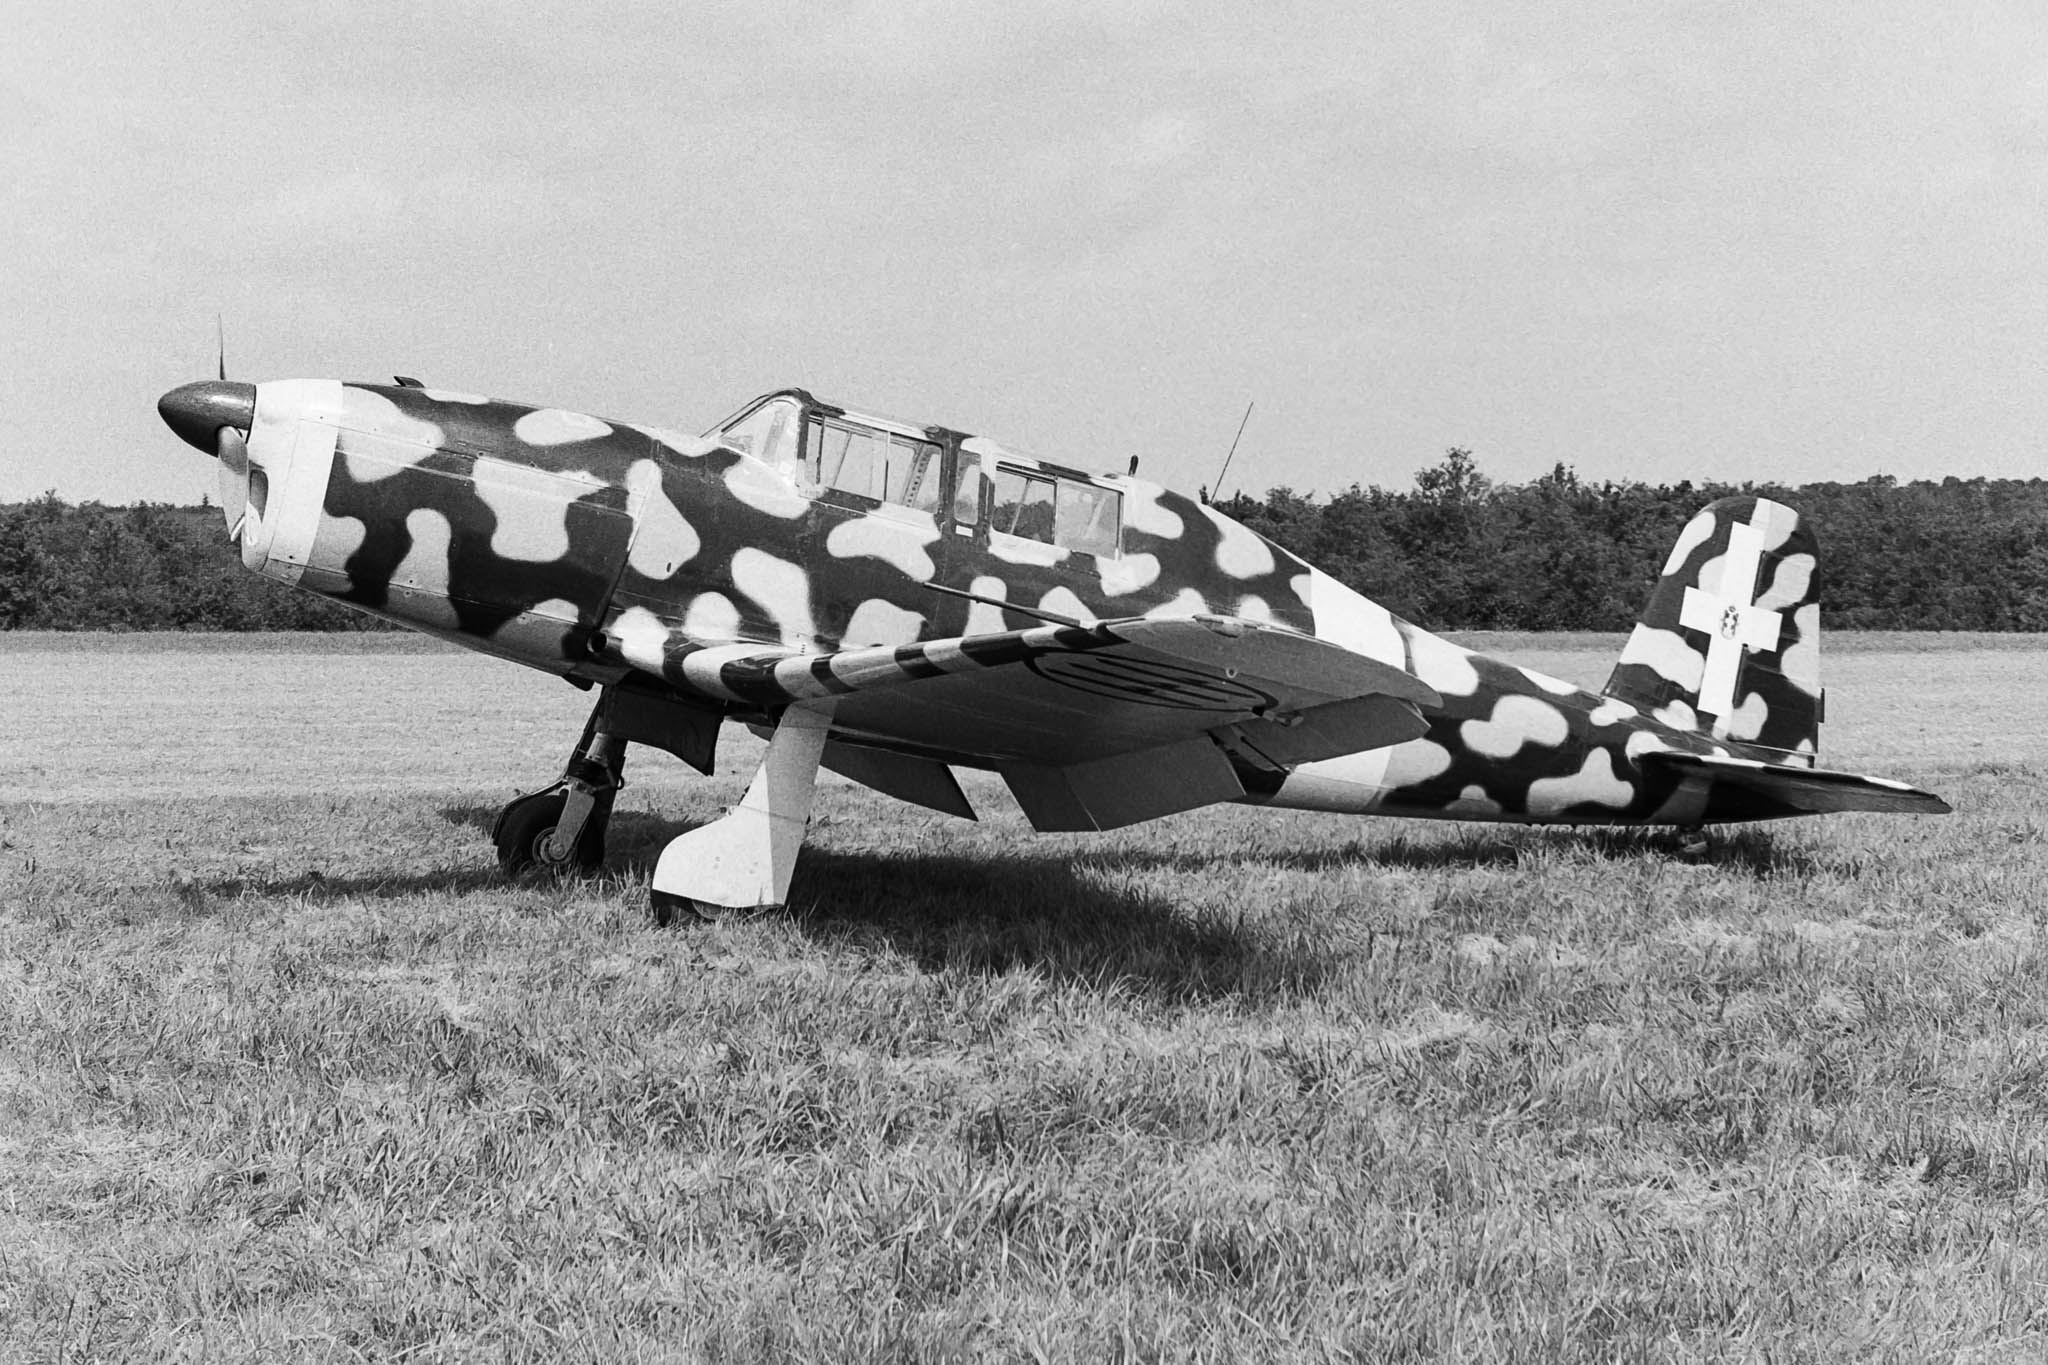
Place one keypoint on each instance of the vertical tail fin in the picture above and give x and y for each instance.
(1730, 642)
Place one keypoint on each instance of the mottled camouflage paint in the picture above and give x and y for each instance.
(595, 548)
(1744, 569)
(1508, 743)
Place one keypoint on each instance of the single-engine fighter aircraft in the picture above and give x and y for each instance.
(894, 601)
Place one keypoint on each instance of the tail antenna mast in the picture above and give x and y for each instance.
(1217, 496)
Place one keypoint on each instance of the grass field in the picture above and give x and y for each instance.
(288, 1073)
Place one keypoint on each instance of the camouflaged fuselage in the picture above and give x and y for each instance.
(595, 549)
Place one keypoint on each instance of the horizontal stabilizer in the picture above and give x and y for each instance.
(1799, 791)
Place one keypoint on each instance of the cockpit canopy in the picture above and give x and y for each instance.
(969, 486)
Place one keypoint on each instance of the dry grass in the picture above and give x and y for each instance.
(295, 1077)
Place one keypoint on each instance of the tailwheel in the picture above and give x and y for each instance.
(525, 834)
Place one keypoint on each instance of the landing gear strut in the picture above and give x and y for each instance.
(743, 859)
(560, 828)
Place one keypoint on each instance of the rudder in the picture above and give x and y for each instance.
(1730, 641)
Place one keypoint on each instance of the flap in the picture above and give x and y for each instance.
(1108, 793)
(920, 781)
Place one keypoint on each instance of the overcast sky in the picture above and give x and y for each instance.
(1655, 241)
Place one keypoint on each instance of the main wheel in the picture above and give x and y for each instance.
(670, 910)
(526, 831)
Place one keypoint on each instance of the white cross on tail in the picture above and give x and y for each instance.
(1726, 610)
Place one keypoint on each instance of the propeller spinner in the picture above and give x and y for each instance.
(215, 415)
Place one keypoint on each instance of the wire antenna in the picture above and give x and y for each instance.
(1233, 449)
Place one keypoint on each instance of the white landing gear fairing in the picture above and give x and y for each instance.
(746, 856)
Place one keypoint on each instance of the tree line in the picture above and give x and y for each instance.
(1459, 551)
(147, 567)
(1456, 551)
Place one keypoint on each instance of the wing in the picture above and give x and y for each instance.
(1762, 790)
(1092, 726)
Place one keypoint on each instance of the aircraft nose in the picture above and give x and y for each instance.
(198, 410)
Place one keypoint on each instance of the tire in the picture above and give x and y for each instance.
(526, 825)
(670, 911)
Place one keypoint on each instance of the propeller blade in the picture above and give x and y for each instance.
(232, 450)
(220, 345)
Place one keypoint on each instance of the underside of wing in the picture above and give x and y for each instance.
(1745, 789)
(1092, 726)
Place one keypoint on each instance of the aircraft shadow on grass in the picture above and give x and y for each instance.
(1748, 852)
(1752, 850)
(991, 913)
(1055, 911)
(988, 914)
